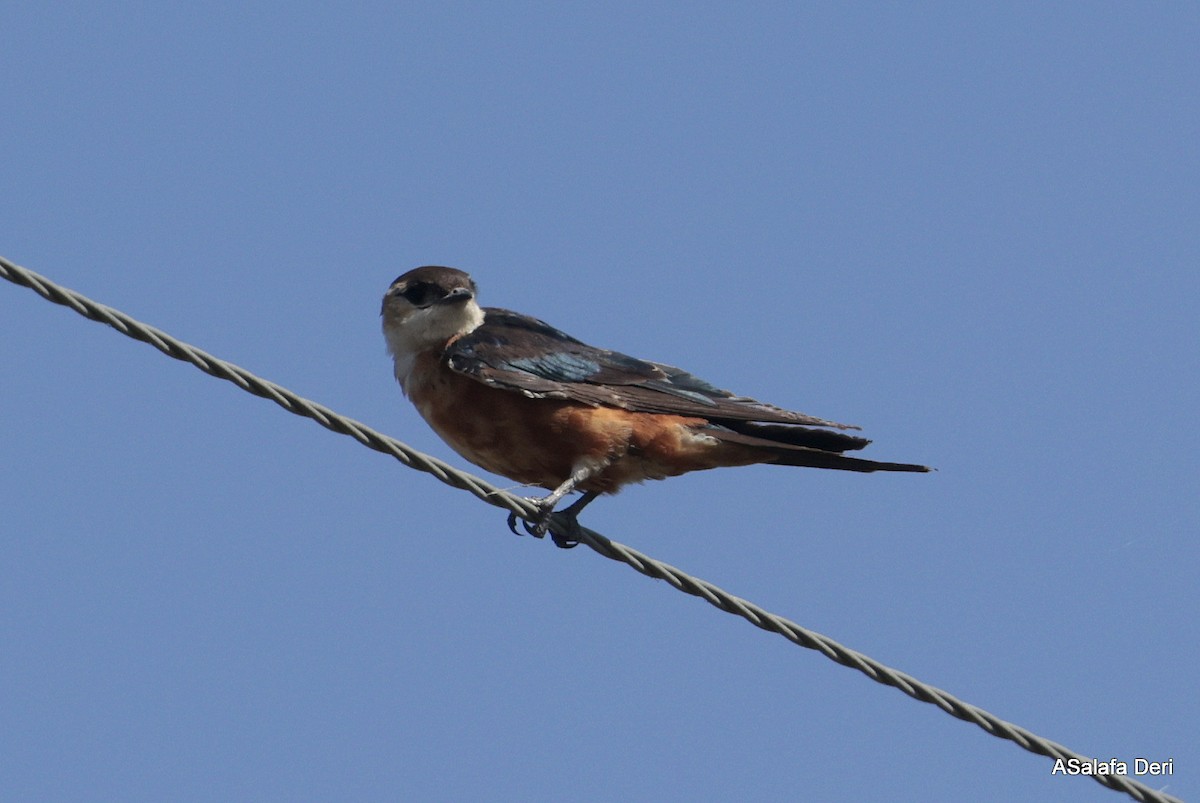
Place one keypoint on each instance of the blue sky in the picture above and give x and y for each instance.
(971, 229)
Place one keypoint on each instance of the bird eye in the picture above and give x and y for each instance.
(422, 294)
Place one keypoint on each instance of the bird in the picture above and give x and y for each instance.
(521, 399)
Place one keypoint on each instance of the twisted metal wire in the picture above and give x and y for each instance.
(525, 509)
(263, 388)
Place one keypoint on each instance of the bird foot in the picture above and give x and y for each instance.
(564, 529)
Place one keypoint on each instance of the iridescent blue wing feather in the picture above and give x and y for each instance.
(526, 355)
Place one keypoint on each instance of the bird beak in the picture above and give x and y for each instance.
(456, 295)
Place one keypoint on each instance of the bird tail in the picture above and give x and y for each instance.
(801, 446)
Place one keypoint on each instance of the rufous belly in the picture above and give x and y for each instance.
(541, 441)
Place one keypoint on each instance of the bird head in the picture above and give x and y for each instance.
(426, 307)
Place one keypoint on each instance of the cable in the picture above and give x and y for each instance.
(643, 564)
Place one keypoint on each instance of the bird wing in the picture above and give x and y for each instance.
(526, 355)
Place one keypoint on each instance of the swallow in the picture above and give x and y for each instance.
(519, 398)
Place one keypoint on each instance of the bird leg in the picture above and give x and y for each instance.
(540, 522)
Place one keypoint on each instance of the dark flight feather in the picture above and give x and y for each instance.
(526, 355)
(786, 443)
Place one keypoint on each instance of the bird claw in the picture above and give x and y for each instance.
(573, 532)
(542, 522)
(536, 526)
